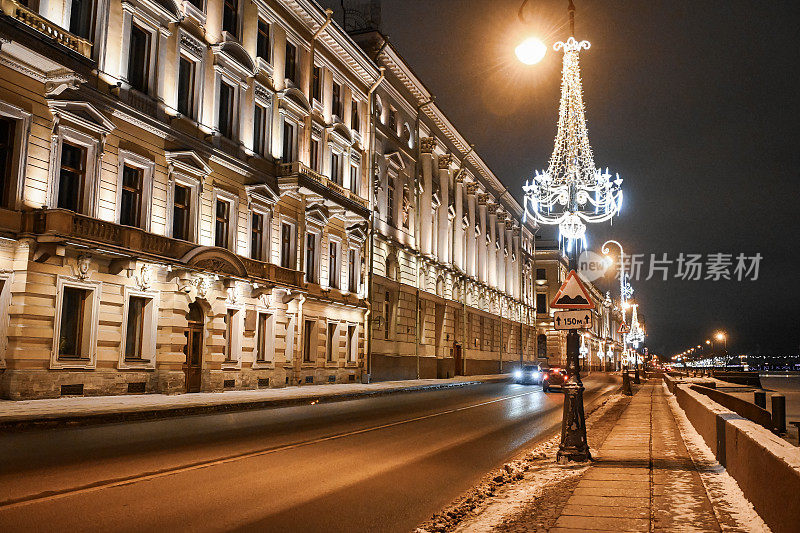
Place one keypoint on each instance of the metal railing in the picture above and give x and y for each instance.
(297, 168)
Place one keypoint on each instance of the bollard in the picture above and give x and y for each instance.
(760, 398)
(779, 413)
(626, 383)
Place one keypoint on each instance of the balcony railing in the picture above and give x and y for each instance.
(298, 169)
(73, 227)
(34, 20)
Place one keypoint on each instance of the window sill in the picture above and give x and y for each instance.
(263, 365)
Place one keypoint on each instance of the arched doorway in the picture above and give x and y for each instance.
(194, 347)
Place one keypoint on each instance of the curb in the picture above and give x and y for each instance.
(156, 413)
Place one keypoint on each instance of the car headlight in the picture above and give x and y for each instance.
(535, 375)
(517, 373)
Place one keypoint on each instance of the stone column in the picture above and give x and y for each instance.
(492, 255)
(444, 215)
(472, 253)
(517, 265)
(481, 244)
(501, 256)
(509, 259)
(458, 228)
(427, 145)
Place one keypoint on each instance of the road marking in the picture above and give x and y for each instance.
(130, 480)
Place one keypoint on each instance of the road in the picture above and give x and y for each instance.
(375, 464)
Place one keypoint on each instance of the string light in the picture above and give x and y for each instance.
(636, 334)
(572, 191)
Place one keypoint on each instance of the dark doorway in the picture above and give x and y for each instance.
(458, 358)
(194, 348)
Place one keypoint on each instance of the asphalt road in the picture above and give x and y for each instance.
(376, 464)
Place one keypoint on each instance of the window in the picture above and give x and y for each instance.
(355, 118)
(262, 42)
(134, 328)
(336, 103)
(71, 177)
(231, 317)
(181, 209)
(290, 69)
(139, 59)
(225, 109)
(288, 154)
(311, 257)
(257, 236)
(352, 343)
(287, 245)
(72, 336)
(541, 302)
(541, 273)
(390, 202)
(186, 69)
(387, 308)
(314, 154)
(333, 342)
(393, 120)
(264, 338)
(336, 168)
(230, 16)
(308, 331)
(222, 223)
(316, 84)
(354, 179)
(352, 269)
(333, 264)
(81, 18)
(260, 130)
(7, 130)
(131, 199)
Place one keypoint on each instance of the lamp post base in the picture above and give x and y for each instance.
(636, 378)
(626, 383)
(574, 445)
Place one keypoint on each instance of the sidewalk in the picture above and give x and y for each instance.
(106, 409)
(643, 478)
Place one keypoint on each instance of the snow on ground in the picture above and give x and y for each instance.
(724, 493)
(508, 490)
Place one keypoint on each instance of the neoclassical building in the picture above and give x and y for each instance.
(204, 195)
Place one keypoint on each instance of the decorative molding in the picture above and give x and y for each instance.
(427, 145)
(445, 160)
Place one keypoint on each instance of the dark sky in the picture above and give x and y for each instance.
(695, 104)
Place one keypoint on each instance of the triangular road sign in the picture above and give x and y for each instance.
(572, 294)
(623, 328)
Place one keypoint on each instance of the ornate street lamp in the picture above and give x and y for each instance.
(625, 293)
(572, 193)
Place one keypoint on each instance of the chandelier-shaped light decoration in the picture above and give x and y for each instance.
(572, 192)
(636, 335)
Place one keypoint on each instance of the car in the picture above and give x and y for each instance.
(528, 374)
(553, 377)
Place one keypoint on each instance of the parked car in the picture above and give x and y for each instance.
(553, 377)
(528, 375)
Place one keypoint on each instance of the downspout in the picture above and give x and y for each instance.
(328, 17)
(417, 223)
(371, 222)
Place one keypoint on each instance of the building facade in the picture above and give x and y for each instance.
(204, 195)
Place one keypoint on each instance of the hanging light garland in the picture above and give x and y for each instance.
(572, 191)
(636, 335)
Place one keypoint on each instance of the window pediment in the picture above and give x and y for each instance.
(341, 134)
(164, 12)
(261, 193)
(317, 214)
(293, 100)
(395, 161)
(232, 56)
(188, 162)
(357, 232)
(215, 259)
(82, 114)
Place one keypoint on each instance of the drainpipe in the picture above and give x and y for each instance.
(328, 17)
(371, 221)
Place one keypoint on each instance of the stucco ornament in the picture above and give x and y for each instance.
(203, 286)
(82, 269)
(144, 278)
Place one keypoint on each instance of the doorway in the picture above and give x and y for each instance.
(194, 348)
(458, 358)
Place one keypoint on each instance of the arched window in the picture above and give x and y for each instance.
(195, 313)
(440, 287)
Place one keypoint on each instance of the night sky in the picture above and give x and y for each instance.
(694, 104)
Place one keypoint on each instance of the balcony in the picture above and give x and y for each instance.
(57, 226)
(32, 19)
(300, 175)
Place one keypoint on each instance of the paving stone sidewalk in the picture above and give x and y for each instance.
(101, 409)
(643, 478)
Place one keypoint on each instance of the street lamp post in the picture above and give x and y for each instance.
(721, 336)
(569, 194)
(625, 292)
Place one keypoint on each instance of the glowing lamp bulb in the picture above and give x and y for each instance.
(531, 51)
